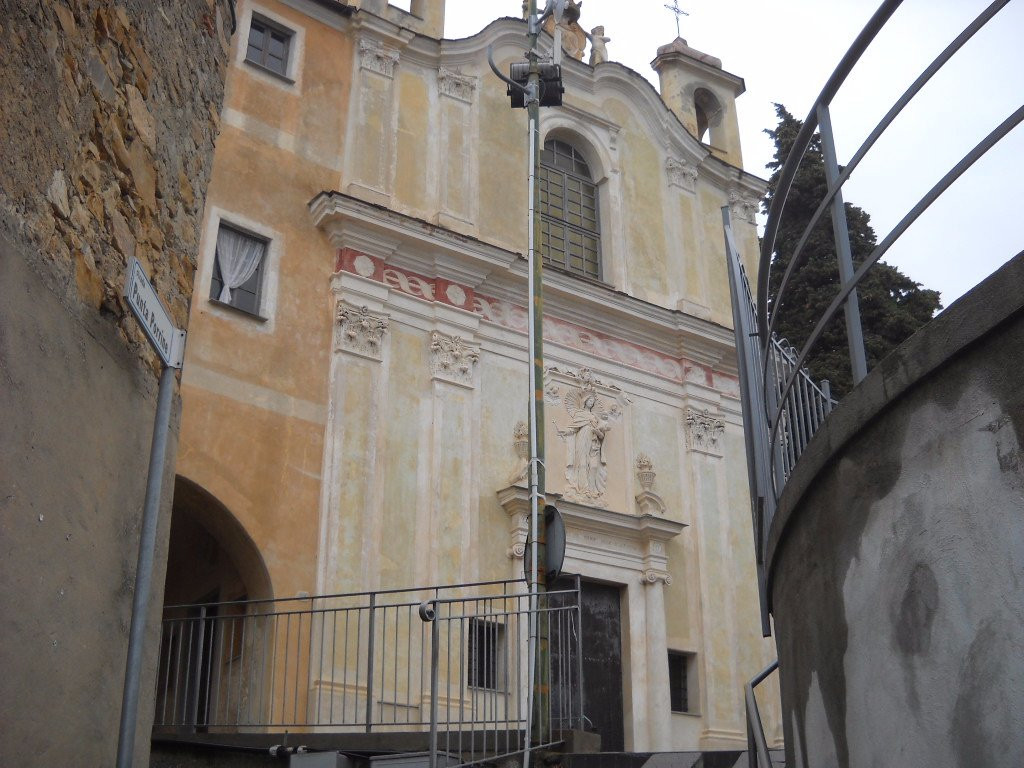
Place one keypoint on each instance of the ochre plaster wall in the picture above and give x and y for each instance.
(356, 471)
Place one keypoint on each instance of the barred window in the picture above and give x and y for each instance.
(486, 653)
(678, 682)
(570, 230)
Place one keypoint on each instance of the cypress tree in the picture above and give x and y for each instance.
(892, 306)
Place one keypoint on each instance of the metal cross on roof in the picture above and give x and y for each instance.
(678, 12)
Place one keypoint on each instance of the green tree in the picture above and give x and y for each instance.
(892, 306)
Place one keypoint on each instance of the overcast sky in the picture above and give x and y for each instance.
(785, 50)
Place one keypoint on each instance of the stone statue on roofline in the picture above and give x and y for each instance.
(560, 19)
(598, 49)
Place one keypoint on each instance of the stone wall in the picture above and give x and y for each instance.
(108, 121)
(897, 554)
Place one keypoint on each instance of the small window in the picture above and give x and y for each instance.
(268, 46)
(238, 269)
(485, 653)
(570, 230)
(678, 680)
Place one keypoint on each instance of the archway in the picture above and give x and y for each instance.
(211, 629)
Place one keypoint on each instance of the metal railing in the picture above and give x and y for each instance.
(781, 411)
(758, 755)
(370, 661)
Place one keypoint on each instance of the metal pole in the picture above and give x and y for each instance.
(144, 570)
(536, 730)
(854, 332)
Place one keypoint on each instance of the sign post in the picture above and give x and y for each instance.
(169, 343)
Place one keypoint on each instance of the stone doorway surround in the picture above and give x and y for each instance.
(626, 550)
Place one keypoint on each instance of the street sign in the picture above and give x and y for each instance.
(168, 341)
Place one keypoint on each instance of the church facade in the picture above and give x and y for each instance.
(355, 382)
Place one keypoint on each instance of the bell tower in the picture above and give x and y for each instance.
(424, 17)
(702, 95)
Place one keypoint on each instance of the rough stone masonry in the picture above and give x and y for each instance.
(107, 125)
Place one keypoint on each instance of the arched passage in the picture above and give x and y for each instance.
(210, 635)
(210, 558)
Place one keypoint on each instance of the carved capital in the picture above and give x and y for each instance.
(703, 431)
(654, 575)
(451, 82)
(359, 331)
(681, 174)
(452, 359)
(516, 551)
(377, 58)
(744, 207)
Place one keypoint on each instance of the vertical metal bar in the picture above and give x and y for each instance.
(434, 640)
(320, 666)
(167, 676)
(579, 646)
(394, 672)
(408, 664)
(334, 662)
(144, 571)
(273, 665)
(216, 663)
(854, 332)
(371, 619)
(240, 666)
(826, 388)
(186, 699)
(285, 688)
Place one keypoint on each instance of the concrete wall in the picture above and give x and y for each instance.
(108, 121)
(898, 552)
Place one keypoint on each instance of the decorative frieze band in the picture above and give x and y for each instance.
(703, 432)
(452, 359)
(451, 82)
(377, 58)
(359, 331)
(516, 318)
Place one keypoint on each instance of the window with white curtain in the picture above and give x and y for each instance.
(238, 269)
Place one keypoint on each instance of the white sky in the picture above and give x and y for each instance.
(786, 49)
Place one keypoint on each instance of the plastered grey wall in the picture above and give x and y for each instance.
(897, 559)
(108, 122)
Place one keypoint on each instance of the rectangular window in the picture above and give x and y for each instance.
(268, 45)
(486, 650)
(238, 267)
(678, 687)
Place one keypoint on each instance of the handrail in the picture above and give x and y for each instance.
(782, 406)
(923, 204)
(773, 395)
(803, 140)
(757, 746)
(796, 261)
(366, 593)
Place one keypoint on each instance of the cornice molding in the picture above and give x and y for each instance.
(630, 542)
(420, 248)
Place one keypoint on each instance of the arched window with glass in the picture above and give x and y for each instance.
(570, 229)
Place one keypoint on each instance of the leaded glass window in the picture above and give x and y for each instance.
(570, 229)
